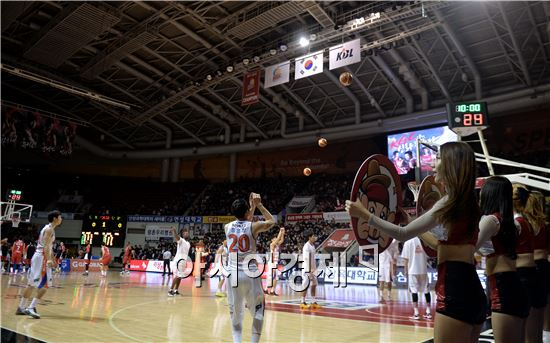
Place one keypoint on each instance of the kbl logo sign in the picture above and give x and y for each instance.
(345, 53)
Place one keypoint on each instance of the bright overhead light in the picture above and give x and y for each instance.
(246, 61)
(312, 37)
(303, 42)
(229, 69)
(256, 59)
(209, 77)
(283, 47)
(273, 52)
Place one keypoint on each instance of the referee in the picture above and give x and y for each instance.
(166, 256)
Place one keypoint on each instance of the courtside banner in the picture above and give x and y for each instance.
(304, 217)
(139, 265)
(251, 88)
(355, 275)
(157, 266)
(308, 65)
(344, 54)
(79, 265)
(277, 74)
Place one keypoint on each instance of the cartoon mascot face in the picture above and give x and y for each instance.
(378, 194)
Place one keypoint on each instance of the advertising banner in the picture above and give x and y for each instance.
(344, 54)
(304, 217)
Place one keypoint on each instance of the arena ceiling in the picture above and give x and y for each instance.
(152, 59)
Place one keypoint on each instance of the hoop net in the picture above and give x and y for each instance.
(15, 221)
(415, 189)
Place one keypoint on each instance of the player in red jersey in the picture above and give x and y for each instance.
(17, 250)
(105, 259)
(126, 259)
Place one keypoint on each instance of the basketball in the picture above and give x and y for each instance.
(322, 142)
(346, 78)
(307, 171)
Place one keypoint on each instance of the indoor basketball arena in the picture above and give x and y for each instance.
(275, 171)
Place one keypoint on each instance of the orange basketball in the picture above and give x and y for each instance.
(346, 78)
(322, 142)
(307, 171)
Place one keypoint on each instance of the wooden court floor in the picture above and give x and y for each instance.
(136, 308)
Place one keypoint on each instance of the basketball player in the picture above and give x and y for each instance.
(126, 259)
(17, 250)
(241, 239)
(274, 262)
(88, 257)
(105, 259)
(310, 270)
(387, 261)
(40, 274)
(182, 252)
(59, 255)
(221, 260)
(417, 274)
(461, 301)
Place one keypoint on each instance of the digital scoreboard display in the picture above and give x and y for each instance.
(14, 195)
(466, 118)
(104, 228)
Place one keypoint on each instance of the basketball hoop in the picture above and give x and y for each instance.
(15, 221)
(415, 189)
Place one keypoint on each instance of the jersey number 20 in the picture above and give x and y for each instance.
(243, 243)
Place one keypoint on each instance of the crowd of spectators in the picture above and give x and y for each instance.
(218, 197)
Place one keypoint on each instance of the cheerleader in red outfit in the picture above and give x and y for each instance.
(497, 240)
(461, 302)
(534, 214)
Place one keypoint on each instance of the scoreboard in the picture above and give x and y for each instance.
(104, 228)
(465, 118)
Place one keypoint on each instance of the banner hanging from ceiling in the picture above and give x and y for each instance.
(277, 74)
(344, 54)
(251, 88)
(308, 65)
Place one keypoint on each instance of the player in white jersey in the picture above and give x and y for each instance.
(310, 270)
(182, 252)
(43, 260)
(387, 261)
(241, 239)
(221, 261)
(416, 270)
(273, 263)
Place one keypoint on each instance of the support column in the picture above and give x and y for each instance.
(175, 170)
(165, 164)
(232, 167)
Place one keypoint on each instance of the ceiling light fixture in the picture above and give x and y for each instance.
(303, 41)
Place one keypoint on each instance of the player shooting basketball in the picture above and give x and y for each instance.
(241, 236)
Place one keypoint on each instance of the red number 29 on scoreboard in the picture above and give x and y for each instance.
(476, 119)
